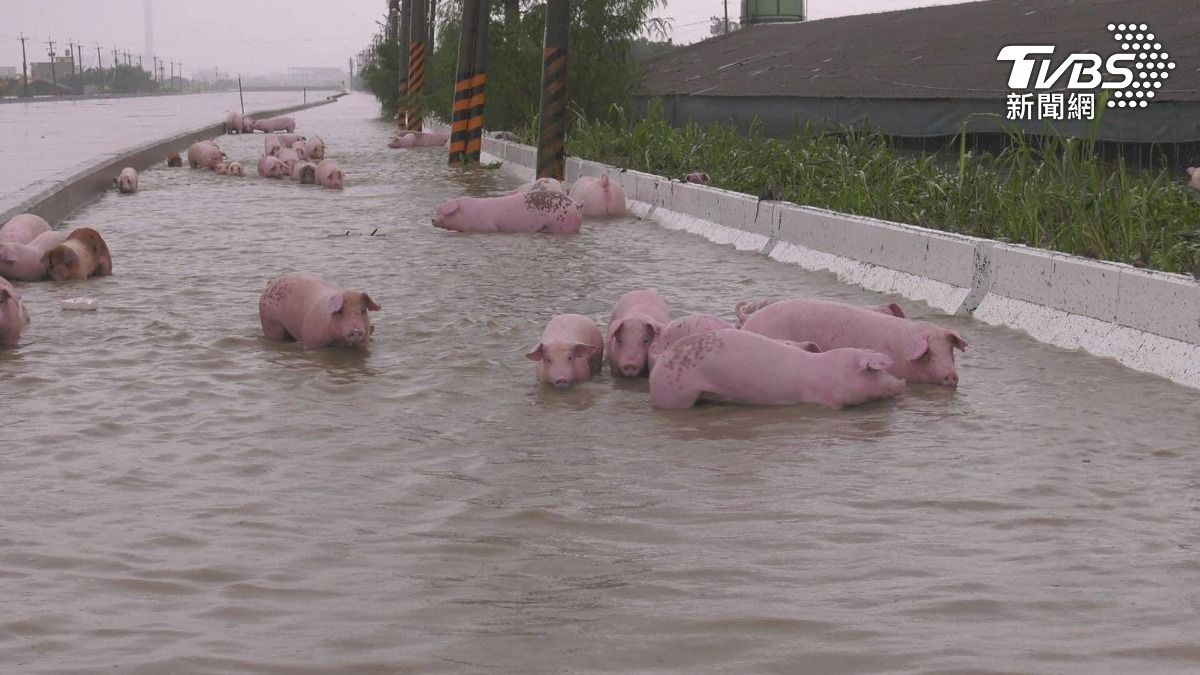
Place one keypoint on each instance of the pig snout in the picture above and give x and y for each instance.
(631, 367)
(950, 379)
(561, 382)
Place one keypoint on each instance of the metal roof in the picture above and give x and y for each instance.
(944, 52)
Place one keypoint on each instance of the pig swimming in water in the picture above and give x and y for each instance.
(539, 211)
(637, 318)
(13, 316)
(599, 197)
(920, 352)
(306, 308)
(81, 255)
(28, 262)
(742, 367)
(23, 228)
(570, 351)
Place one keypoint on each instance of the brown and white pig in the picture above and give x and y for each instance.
(741, 367)
(570, 351)
(305, 173)
(599, 197)
(697, 177)
(679, 329)
(638, 317)
(205, 155)
(221, 169)
(23, 228)
(920, 351)
(270, 167)
(330, 175)
(235, 169)
(544, 211)
(81, 255)
(173, 159)
(315, 148)
(28, 262)
(272, 124)
(306, 308)
(744, 309)
(13, 316)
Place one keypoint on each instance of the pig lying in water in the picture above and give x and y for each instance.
(544, 211)
(635, 321)
(23, 228)
(417, 139)
(272, 124)
(742, 367)
(599, 197)
(28, 262)
(306, 308)
(679, 329)
(81, 255)
(13, 316)
(744, 309)
(570, 351)
(920, 352)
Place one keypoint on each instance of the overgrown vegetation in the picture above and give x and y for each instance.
(1056, 195)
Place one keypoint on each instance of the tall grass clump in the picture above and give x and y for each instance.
(1056, 193)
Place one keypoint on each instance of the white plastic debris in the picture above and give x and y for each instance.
(81, 304)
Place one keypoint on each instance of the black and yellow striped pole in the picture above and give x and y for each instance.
(464, 83)
(479, 83)
(402, 64)
(416, 65)
(553, 120)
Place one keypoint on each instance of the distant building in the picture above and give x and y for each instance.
(316, 77)
(41, 69)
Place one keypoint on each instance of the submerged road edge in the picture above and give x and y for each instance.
(1146, 320)
(57, 197)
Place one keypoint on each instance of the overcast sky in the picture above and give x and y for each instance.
(264, 36)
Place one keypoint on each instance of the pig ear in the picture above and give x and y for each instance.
(334, 304)
(536, 354)
(956, 340)
(371, 304)
(875, 361)
(615, 328)
(893, 309)
(653, 328)
(919, 347)
(581, 350)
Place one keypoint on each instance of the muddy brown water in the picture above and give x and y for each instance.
(178, 495)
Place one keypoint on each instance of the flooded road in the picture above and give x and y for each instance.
(180, 496)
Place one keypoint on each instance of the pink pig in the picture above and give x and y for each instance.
(541, 184)
(127, 181)
(570, 351)
(315, 148)
(1194, 173)
(233, 123)
(549, 212)
(270, 167)
(289, 158)
(275, 124)
(742, 367)
(28, 262)
(306, 308)
(13, 316)
(417, 139)
(235, 169)
(290, 140)
(330, 175)
(921, 352)
(23, 228)
(305, 173)
(599, 197)
(744, 309)
(204, 155)
(247, 125)
(272, 145)
(638, 317)
(679, 329)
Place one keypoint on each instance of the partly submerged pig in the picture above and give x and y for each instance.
(599, 197)
(305, 173)
(81, 255)
(269, 166)
(28, 262)
(272, 124)
(23, 228)
(742, 367)
(13, 316)
(539, 211)
(272, 145)
(173, 159)
(541, 184)
(417, 139)
(679, 329)
(235, 169)
(233, 123)
(744, 309)
(570, 351)
(637, 318)
(204, 155)
(921, 352)
(127, 181)
(306, 308)
(315, 148)
(330, 175)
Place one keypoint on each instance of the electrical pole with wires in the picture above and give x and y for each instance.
(24, 65)
(53, 72)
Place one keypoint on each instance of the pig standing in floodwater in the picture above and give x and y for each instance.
(570, 351)
(23, 228)
(599, 197)
(679, 329)
(272, 145)
(742, 367)
(127, 181)
(235, 169)
(637, 318)
(315, 149)
(269, 166)
(547, 212)
(233, 123)
(28, 262)
(330, 175)
(305, 173)
(205, 155)
(81, 255)
(921, 352)
(173, 159)
(306, 308)
(13, 315)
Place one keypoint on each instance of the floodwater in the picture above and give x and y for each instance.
(43, 137)
(178, 495)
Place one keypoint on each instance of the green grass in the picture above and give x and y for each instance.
(1057, 195)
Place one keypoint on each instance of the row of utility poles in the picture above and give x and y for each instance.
(75, 52)
(412, 28)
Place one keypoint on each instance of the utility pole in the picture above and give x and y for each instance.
(24, 65)
(71, 53)
(727, 17)
(180, 87)
(53, 73)
(100, 67)
(79, 51)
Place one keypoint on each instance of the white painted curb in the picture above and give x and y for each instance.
(1146, 320)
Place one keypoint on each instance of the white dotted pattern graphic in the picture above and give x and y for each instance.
(1151, 66)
